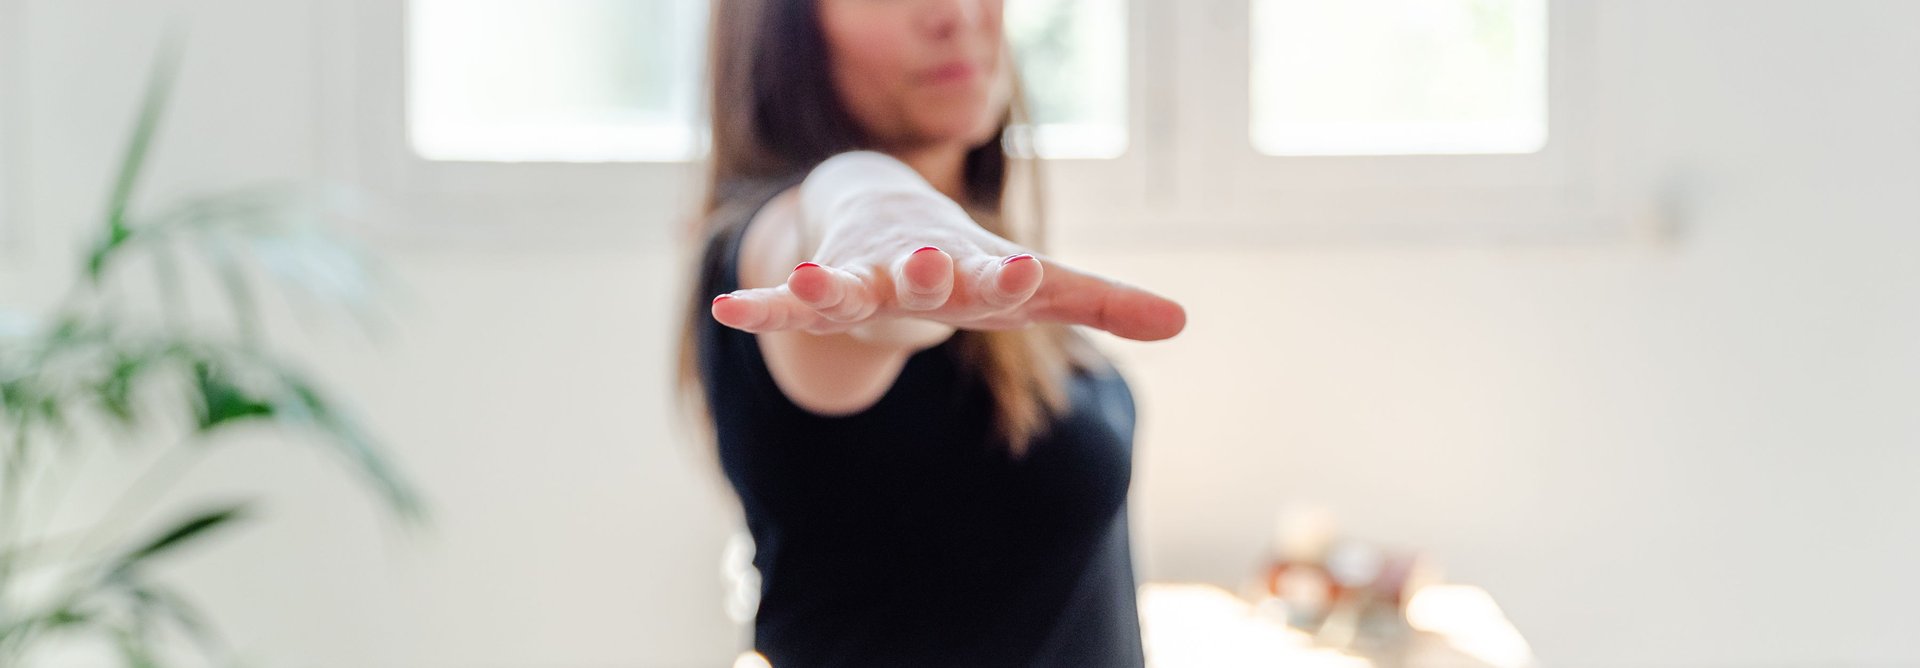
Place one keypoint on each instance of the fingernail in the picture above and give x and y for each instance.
(720, 298)
(1011, 260)
(922, 249)
(797, 267)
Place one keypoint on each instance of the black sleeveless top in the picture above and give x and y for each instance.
(906, 535)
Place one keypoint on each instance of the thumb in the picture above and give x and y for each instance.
(1076, 297)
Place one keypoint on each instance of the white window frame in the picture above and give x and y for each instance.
(460, 202)
(1083, 191)
(1189, 175)
(1213, 188)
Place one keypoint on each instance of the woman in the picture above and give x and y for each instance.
(932, 460)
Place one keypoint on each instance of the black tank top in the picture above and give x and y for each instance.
(906, 535)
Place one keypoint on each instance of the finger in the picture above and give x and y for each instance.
(1010, 320)
(923, 279)
(839, 295)
(1011, 281)
(764, 310)
(1124, 310)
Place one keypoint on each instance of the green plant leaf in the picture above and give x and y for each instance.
(39, 408)
(153, 105)
(304, 401)
(90, 361)
(222, 400)
(135, 649)
(23, 631)
(13, 393)
(104, 249)
(67, 616)
(116, 390)
(192, 528)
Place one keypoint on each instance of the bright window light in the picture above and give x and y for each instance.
(1399, 77)
(618, 80)
(1073, 61)
(557, 80)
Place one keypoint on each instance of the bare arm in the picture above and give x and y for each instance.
(829, 373)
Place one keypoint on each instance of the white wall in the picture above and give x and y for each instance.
(1698, 452)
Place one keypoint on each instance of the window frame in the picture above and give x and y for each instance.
(682, 16)
(457, 202)
(1185, 178)
(1084, 191)
(1224, 191)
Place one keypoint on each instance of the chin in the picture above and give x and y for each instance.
(971, 130)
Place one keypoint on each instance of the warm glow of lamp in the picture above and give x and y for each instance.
(751, 660)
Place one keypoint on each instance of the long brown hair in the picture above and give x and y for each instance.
(776, 115)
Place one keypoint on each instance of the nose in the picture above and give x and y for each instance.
(943, 18)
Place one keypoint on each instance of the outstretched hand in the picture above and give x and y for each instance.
(917, 259)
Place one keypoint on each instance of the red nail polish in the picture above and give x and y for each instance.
(721, 298)
(923, 248)
(1016, 258)
(804, 264)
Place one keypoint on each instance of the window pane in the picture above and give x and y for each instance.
(568, 80)
(585, 80)
(1073, 62)
(1371, 77)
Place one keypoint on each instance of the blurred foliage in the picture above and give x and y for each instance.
(93, 362)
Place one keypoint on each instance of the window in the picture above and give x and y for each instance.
(1397, 77)
(1073, 62)
(614, 80)
(1220, 122)
(558, 80)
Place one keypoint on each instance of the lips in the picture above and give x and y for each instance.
(953, 72)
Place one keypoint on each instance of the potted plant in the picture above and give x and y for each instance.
(158, 382)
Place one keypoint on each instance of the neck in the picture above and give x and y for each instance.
(942, 166)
